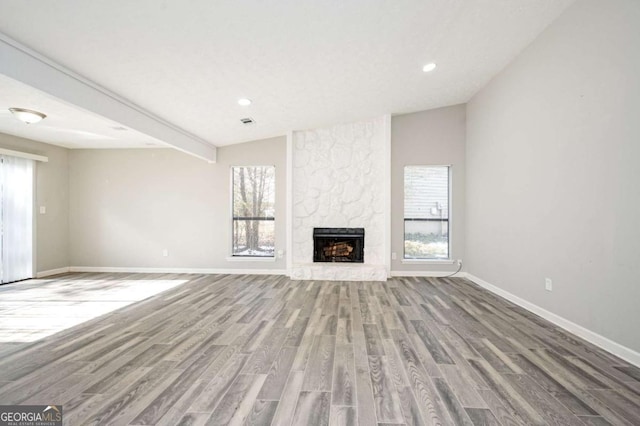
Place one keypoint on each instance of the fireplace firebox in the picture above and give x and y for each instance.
(338, 245)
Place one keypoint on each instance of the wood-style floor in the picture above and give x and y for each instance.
(263, 350)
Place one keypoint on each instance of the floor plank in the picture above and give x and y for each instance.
(343, 416)
(344, 376)
(313, 409)
(319, 372)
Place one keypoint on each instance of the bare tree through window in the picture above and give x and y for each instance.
(253, 210)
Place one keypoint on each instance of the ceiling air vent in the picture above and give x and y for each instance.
(247, 120)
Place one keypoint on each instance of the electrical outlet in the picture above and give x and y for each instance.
(165, 252)
(393, 256)
(548, 284)
(459, 262)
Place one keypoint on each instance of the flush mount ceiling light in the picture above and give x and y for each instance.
(244, 102)
(26, 115)
(429, 67)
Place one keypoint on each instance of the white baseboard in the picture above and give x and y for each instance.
(426, 274)
(50, 272)
(177, 270)
(608, 345)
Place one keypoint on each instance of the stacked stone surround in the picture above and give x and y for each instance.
(339, 182)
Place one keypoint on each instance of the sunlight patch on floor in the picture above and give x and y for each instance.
(35, 309)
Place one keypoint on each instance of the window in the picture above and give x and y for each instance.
(426, 212)
(253, 201)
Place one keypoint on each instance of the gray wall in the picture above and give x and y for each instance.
(128, 205)
(553, 145)
(434, 137)
(52, 191)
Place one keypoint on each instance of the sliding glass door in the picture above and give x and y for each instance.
(16, 218)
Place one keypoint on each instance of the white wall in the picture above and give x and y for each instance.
(127, 206)
(52, 191)
(553, 145)
(431, 138)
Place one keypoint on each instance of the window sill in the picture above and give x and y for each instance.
(428, 261)
(251, 258)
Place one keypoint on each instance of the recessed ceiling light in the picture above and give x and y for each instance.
(27, 115)
(429, 67)
(244, 102)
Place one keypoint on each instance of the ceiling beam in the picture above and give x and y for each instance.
(33, 69)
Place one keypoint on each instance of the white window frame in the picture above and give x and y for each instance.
(444, 261)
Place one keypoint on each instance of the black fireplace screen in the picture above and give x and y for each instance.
(338, 245)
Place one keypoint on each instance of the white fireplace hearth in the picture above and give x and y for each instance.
(338, 272)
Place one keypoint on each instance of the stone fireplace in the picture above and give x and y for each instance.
(340, 183)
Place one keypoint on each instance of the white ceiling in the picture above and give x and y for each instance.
(304, 63)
